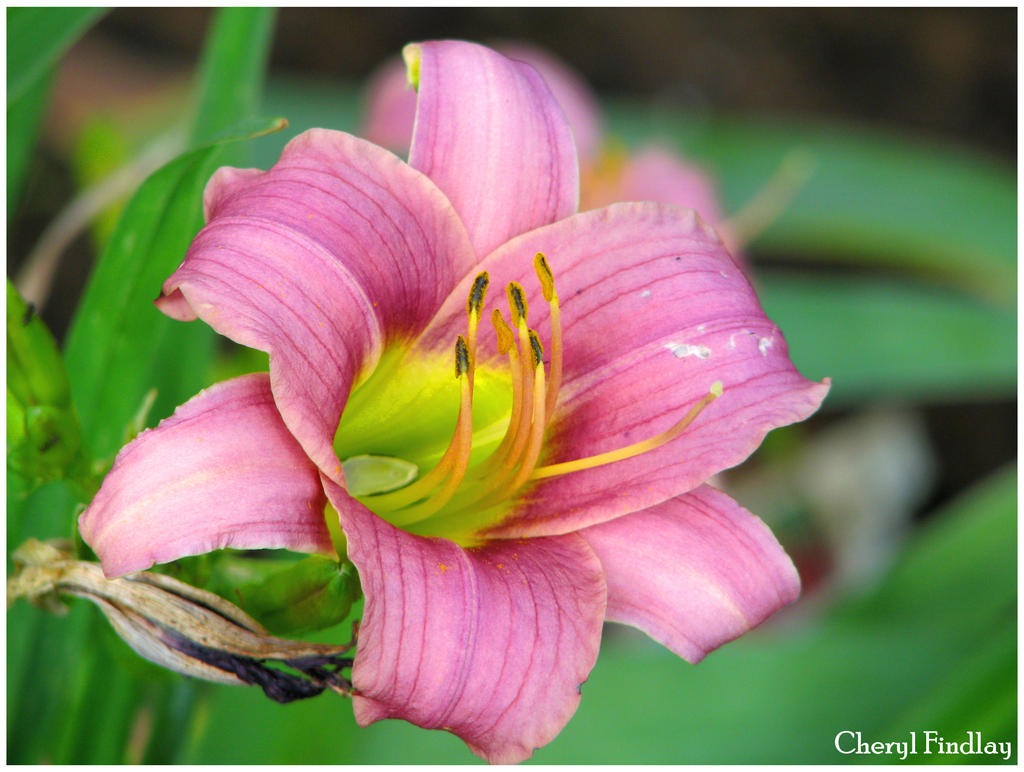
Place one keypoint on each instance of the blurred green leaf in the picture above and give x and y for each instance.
(100, 150)
(233, 69)
(23, 117)
(308, 104)
(110, 348)
(35, 370)
(873, 199)
(978, 696)
(37, 38)
(879, 338)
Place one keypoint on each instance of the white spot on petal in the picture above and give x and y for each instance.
(645, 294)
(764, 344)
(680, 350)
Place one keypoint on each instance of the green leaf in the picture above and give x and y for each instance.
(37, 38)
(23, 117)
(115, 331)
(978, 696)
(873, 199)
(233, 68)
(880, 339)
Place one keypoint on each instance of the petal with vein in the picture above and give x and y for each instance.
(693, 572)
(391, 101)
(320, 261)
(491, 644)
(223, 471)
(490, 134)
(572, 94)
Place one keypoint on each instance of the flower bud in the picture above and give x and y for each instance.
(184, 629)
(43, 435)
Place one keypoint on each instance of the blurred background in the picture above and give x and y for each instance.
(891, 268)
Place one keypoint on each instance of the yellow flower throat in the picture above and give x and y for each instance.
(455, 498)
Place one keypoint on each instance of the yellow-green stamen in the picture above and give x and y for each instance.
(451, 487)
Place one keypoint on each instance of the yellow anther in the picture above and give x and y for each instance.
(518, 308)
(461, 357)
(506, 339)
(547, 285)
(536, 349)
(544, 275)
(474, 303)
(477, 293)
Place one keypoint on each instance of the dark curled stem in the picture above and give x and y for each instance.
(321, 672)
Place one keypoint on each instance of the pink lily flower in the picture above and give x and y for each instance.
(559, 466)
(609, 173)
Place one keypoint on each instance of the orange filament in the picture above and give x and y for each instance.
(528, 375)
(506, 344)
(403, 497)
(525, 449)
(516, 435)
(513, 463)
(539, 423)
(463, 444)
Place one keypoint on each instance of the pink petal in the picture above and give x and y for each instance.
(654, 311)
(223, 471)
(573, 95)
(492, 137)
(391, 102)
(656, 174)
(693, 572)
(390, 107)
(491, 644)
(320, 261)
